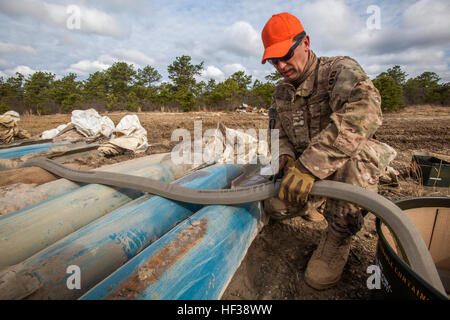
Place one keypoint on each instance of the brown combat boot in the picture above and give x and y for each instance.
(278, 209)
(325, 267)
(314, 216)
(314, 209)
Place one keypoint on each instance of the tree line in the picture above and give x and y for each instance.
(123, 87)
(397, 91)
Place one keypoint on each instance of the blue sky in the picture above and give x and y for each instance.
(35, 35)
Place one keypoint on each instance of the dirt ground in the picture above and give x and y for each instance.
(277, 258)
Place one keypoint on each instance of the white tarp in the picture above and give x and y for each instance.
(87, 122)
(129, 135)
(50, 134)
(226, 145)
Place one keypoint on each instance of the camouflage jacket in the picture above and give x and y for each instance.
(330, 117)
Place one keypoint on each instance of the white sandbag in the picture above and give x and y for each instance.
(50, 134)
(129, 135)
(107, 126)
(89, 123)
(130, 126)
(227, 145)
(135, 144)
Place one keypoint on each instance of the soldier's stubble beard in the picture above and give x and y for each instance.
(295, 66)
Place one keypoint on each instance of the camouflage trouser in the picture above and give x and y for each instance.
(343, 217)
(363, 170)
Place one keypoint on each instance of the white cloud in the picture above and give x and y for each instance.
(234, 67)
(424, 24)
(134, 55)
(330, 23)
(7, 48)
(85, 67)
(327, 17)
(212, 72)
(91, 20)
(420, 57)
(99, 22)
(415, 62)
(226, 36)
(25, 70)
(413, 35)
(430, 17)
(242, 39)
(260, 74)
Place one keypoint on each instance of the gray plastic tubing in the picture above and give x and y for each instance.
(412, 245)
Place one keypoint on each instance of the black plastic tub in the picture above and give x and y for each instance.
(432, 172)
(431, 215)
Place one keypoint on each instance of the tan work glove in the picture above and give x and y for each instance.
(296, 184)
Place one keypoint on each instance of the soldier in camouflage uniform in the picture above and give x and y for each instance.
(327, 111)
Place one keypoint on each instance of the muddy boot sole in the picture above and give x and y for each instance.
(320, 286)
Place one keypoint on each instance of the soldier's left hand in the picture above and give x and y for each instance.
(296, 184)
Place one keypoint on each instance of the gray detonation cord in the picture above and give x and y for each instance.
(408, 237)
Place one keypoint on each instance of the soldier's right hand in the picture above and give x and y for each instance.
(296, 184)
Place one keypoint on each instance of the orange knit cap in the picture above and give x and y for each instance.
(278, 33)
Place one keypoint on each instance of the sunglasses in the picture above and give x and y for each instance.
(287, 56)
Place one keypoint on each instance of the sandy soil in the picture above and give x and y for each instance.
(276, 260)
